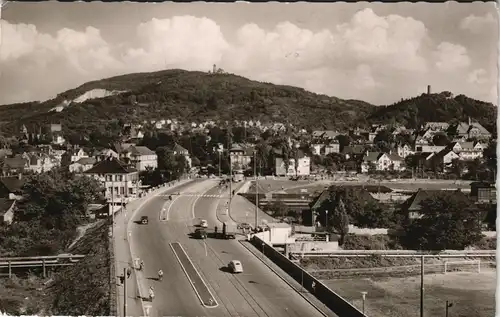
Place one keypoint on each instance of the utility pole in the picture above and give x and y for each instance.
(124, 292)
(230, 174)
(421, 285)
(218, 150)
(256, 188)
(112, 205)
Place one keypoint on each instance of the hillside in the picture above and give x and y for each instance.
(191, 96)
(436, 107)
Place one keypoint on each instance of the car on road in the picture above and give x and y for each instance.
(245, 226)
(235, 266)
(144, 220)
(203, 223)
(200, 234)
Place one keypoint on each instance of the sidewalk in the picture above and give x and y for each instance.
(123, 256)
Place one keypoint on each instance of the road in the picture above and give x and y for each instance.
(256, 292)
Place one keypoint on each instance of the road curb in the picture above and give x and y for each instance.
(243, 243)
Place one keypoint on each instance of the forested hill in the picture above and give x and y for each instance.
(436, 107)
(195, 96)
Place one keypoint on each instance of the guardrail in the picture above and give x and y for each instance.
(329, 298)
(39, 261)
(394, 253)
(39, 258)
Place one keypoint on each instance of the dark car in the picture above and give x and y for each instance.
(200, 234)
(144, 220)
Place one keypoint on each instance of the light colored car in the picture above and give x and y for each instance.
(235, 266)
(203, 223)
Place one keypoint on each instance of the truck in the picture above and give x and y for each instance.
(228, 231)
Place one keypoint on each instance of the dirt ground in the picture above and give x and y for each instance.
(472, 294)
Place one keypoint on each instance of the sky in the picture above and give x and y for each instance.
(374, 52)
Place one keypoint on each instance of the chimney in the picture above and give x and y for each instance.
(428, 89)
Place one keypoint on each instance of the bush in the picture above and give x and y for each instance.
(486, 243)
(371, 242)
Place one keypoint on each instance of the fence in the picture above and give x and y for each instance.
(328, 297)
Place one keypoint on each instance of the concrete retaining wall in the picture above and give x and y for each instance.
(328, 297)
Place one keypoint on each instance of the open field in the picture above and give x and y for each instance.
(396, 186)
(472, 294)
(289, 186)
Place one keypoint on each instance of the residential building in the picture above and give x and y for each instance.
(240, 156)
(73, 155)
(140, 157)
(11, 186)
(429, 148)
(411, 207)
(13, 165)
(436, 126)
(468, 150)
(382, 162)
(7, 211)
(179, 150)
(327, 135)
(468, 130)
(404, 150)
(120, 181)
(354, 151)
(483, 192)
(40, 162)
(82, 165)
(445, 157)
(105, 154)
(326, 148)
(303, 167)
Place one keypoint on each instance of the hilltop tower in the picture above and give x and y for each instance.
(428, 89)
(215, 69)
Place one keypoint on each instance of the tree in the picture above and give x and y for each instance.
(440, 139)
(448, 221)
(170, 164)
(54, 204)
(457, 167)
(337, 219)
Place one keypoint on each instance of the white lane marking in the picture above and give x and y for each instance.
(170, 206)
(189, 278)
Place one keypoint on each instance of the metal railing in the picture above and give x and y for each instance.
(395, 253)
(39, 261)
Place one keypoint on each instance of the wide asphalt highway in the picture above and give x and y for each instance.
(204, 288)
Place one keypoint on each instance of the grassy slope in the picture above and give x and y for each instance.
(83, 289)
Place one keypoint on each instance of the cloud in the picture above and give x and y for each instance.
(451, 57)
(374, 58)
(478, 24)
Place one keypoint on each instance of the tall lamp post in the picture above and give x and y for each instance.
(256, 188)
(448, 305)
(364, 299)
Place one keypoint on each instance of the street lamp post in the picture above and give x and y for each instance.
(448, 305)
(364, 299)
(256, 188)
(326, 220)
(219, 160)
